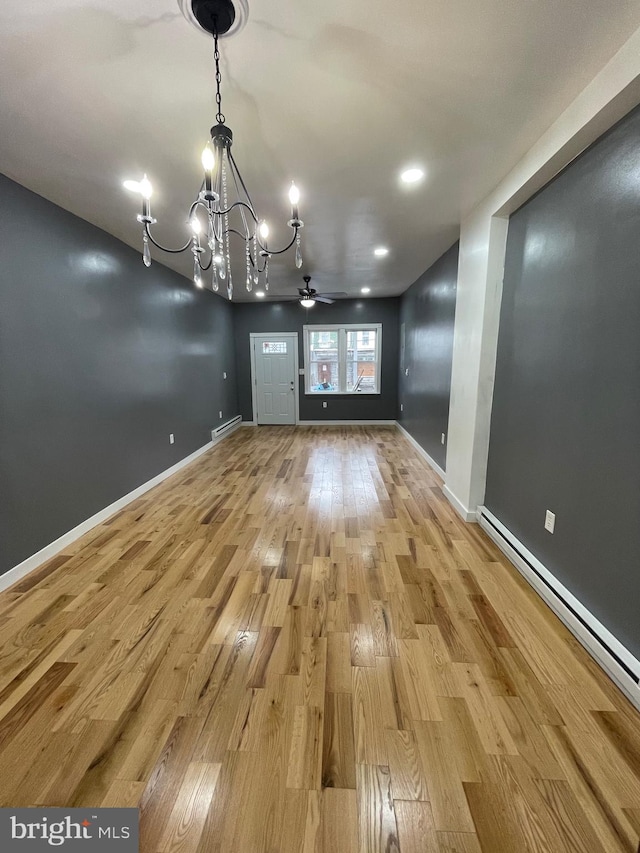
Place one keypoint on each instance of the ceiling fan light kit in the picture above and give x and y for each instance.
(211, 211)
(308, 296)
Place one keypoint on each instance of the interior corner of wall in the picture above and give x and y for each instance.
(463, 511)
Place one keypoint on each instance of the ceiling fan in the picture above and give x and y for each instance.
(309, 295)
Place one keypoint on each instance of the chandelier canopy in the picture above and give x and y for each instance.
(222, 209)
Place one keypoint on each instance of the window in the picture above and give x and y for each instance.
(342, 359)
(274, 348)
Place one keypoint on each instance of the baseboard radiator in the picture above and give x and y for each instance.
(225, 428)
(617, 661)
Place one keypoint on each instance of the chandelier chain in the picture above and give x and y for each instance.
(216, 56)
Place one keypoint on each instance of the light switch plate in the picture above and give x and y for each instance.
(550, 521)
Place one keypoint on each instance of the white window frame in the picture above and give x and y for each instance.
(342, 329)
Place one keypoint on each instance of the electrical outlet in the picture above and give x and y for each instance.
(443, 438)
(402, 407)
(224, 375)
(550, 521)
(324, 404)
(171, 438)
(406, 371)
(220, 413)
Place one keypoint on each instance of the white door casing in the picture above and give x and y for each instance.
(274, 377)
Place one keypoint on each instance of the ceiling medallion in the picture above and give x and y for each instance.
(210, 215)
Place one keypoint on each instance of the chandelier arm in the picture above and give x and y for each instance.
(198, 203)
(164, 248)
(234, 175)
(242, 237)
(239, 233)
(240, 178)
(250, 207)
(239, 204)
(286, 248)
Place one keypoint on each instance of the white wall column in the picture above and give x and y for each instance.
(483, 235)
(483, 241)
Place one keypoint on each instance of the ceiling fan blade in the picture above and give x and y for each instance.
(284, 298)
(324, 298)
(336, 295)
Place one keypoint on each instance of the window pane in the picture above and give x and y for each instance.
(361, 361)
(361, 376)
(323, 345)
(323, 376)
(361, 345)
(274, 347)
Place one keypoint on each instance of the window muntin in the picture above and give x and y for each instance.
(343, 359)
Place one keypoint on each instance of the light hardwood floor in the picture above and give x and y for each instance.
(295, 646)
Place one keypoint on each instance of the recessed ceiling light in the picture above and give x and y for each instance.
(365, 290)
(412, 175)
(260, 294)
(380, 251)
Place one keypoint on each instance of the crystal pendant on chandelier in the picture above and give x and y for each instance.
(249, 284)
(298, 252)
(214, 278)
(256, 270)
(146, 251)
(197, 272)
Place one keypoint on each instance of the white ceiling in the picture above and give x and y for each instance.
(338, 95)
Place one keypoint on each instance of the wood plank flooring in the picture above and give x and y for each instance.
(295, 646)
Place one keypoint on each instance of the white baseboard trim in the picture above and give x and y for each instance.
(464, 512)
(616, 660)
(248, 423)
(17, 573)
(420, 449)
(346, 423)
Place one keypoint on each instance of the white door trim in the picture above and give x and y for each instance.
(293, 337)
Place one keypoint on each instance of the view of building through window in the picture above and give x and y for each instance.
(343, 360)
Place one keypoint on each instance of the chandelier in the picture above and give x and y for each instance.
(222, 209)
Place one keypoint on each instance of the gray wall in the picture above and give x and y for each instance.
(100, 359)
(290, 317)
(427, 314)
(566, 408)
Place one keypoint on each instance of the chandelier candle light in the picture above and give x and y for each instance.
(209, 215)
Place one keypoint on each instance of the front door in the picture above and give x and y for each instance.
(274, 358)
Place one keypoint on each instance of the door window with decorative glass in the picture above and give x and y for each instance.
(343, 359)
